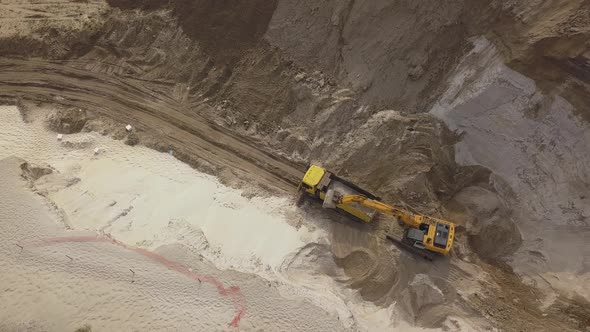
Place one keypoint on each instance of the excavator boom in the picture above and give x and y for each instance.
(407, 217)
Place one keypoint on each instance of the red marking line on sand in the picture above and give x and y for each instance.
(233, 291)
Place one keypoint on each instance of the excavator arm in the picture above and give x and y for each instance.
(407, 217)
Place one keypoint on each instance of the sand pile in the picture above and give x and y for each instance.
(421, 293)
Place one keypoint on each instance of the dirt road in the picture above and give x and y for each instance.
(138, 102)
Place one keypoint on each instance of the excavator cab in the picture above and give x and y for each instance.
(433, 235)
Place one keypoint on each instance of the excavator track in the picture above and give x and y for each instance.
(408, 247)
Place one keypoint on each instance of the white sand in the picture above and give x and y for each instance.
(147, 198)
(45, 290)
(151, 200)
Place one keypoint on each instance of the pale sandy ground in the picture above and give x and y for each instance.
(150, 200)
(43, 290)
(538, 152)
(22, 17)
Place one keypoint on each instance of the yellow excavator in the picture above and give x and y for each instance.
(423, 235)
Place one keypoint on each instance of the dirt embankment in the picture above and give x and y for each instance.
(547, 41)
(261, 96)
(390, 55)
(394, 53)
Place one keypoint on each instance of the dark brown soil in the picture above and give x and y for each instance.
(225, 28)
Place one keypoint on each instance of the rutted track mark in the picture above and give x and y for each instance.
(131, 100)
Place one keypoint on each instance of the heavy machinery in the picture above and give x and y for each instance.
(422, 234)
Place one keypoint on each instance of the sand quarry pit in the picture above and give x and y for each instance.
(476, 113)
(134, 216)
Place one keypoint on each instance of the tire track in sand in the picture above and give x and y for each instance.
(129, 100)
